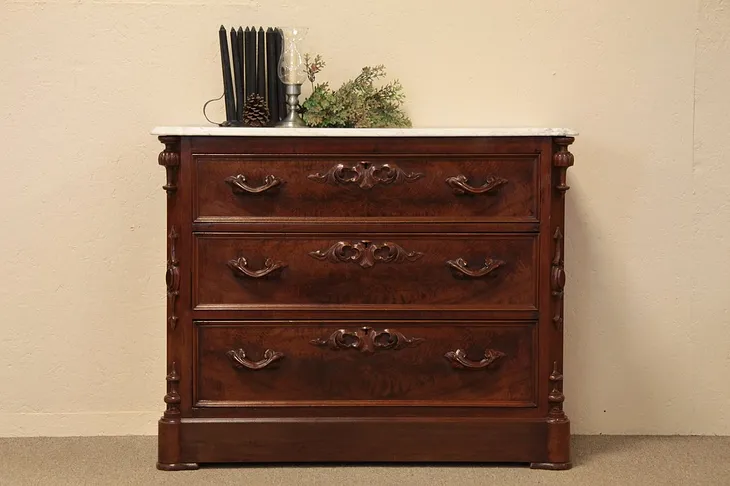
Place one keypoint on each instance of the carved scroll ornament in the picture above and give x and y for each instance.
(366, 175)
(557, 279)
(365, 253)
(367, 340)
(172, 279)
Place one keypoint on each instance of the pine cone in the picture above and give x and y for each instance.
(256, 111)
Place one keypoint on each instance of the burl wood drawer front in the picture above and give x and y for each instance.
(236, 270)
(350, 363)
(499, 188)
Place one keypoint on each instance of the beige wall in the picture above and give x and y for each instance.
(82, 211)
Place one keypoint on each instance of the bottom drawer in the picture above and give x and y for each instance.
(349, 363)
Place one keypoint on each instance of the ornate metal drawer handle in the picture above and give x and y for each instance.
(241, 361)
(366, 175)
(239, 186)
(367, 340)
(460, 185)
(459, 360)
(463, 271)
(240, 268)
(366, 253)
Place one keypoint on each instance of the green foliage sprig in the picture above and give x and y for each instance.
(313, 67)
(358, 103)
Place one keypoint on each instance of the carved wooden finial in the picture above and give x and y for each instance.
(170, 160)
(556, 375)
(556, 397)
(563, 159)
(172, 398)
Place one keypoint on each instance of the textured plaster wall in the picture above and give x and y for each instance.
(82, 212)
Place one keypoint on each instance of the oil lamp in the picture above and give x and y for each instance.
(292, 72)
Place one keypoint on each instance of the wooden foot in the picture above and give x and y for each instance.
(552, 466)
(168, 432)
(182, 466)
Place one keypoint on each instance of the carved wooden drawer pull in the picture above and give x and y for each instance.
(461, 186)
(365, 253)
(366, 175)
(239, 186)
(367, 340)
(461, 268)
(241, 361)
(240, 268)
(459, 360)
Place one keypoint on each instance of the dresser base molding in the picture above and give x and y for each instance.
(372, 439)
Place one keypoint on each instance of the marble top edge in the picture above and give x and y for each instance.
(202, 131)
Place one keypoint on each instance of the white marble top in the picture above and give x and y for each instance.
(198, 131)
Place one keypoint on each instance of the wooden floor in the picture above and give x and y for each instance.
(598, 460)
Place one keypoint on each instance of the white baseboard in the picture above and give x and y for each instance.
(78, 424)
(83, 424)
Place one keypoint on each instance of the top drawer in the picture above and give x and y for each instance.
(489, 188)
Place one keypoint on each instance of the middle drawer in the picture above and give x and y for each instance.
(448, 271)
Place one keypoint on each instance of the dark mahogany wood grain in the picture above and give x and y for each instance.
(365, 299)
(378, 439)
(422, 189)
(350, 369)
(428, 280)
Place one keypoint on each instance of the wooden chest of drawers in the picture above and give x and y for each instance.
(365, 295)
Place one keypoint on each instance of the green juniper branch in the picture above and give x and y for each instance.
(357, 103)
